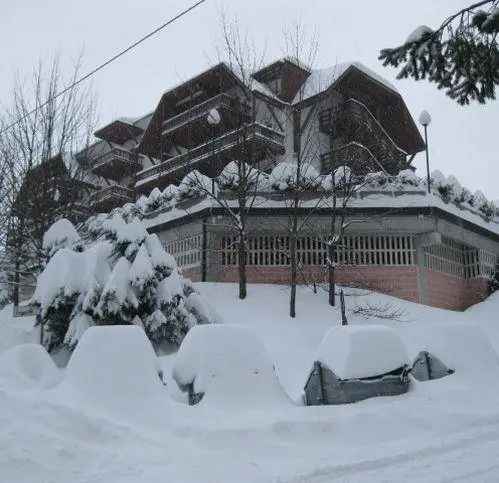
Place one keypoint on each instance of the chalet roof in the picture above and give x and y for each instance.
(268, 70)
(321, 80)
(119, 131)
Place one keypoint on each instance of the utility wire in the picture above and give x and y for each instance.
(105, 64)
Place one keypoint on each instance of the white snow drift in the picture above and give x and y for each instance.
(230, 365)
(353, 352)
(115, 369)
(28, 366)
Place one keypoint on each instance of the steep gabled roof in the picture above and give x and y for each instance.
(220, 73)
(320, 80)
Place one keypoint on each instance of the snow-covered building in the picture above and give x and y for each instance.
(135, 156)
(422, 247)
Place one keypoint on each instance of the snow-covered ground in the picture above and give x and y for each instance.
(442, 430)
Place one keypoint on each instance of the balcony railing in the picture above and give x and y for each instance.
(220, 102)
(114, 195)
(339, 120)
(251, 133)
(115, 163)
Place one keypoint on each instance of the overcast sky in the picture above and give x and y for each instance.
(463, 140)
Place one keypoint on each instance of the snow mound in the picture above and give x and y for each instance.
(453, 343)
(28, 366)
(230, 365)
(284, 176)
(115, 368)
(16, 330)
(353, 352)
(61, 234)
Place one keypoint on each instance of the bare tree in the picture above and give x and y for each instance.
(301, 47)
(236, 189)
(42, 180)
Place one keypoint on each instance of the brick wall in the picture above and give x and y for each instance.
(194, 274)
(397, 281)
(451, 292)
(443, 290)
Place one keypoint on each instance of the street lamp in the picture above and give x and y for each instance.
(425, 120)
(213, 119)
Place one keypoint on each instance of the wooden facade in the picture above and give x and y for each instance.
(359, 120)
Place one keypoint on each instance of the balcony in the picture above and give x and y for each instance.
(116, 163)
(354, 127)
(190, 128)
(105, 199)
(213, 155)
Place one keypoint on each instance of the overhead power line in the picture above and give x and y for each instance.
(106, 63)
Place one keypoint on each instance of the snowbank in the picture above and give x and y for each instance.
(362, 351)
(16, 330)
(28, 366)
(230, 365)
(460, 346)
(115, 369)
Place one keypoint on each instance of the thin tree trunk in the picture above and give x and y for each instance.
(242, 267)
(292, 299)
(344, 320)
(331, 277)
(293, 261)
(17, 280)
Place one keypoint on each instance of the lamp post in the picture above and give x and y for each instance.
(425, 120)
(213, 119)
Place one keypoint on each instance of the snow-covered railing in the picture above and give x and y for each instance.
(328, 117)
(212, 148)
(114, 154)
(405, 189)
(122, 193)
(220, 102)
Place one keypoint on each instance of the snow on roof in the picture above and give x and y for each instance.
(354, 352)
(230, 365)
(377, 199)
(321, 79)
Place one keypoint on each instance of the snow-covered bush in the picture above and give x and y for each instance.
(341, 177)
(443, 187)
(376, 180)
(408, 177)
(141, 204)
(62, 234)
(194, 184)
(121, 276)
(237, 172)
(155, 200)
(129, 211)
(170, 193)
(450, 190)
(483, 205)
(284, 177)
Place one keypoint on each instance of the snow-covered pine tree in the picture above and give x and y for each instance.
(121, 275)
(460, 56)
(62, 234)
